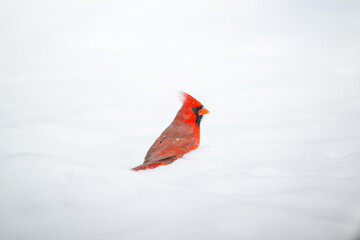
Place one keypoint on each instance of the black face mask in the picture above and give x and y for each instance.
(198, 117)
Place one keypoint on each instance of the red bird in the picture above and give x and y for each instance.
(182, 136)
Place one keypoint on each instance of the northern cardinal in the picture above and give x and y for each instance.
(182, 136)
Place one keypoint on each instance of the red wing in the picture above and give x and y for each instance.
(169, 147)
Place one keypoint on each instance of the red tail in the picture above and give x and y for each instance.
(151, 165)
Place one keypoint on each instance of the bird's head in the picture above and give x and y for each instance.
(192, 110)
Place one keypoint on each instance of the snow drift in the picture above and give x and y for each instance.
(86, 87)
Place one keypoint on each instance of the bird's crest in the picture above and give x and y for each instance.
(187, 99)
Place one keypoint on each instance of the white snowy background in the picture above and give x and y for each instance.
(87, 86)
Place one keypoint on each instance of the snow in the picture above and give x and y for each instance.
(87, 86)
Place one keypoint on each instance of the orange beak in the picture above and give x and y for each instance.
(203, 111)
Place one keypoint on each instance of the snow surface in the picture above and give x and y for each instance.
(87, 86)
